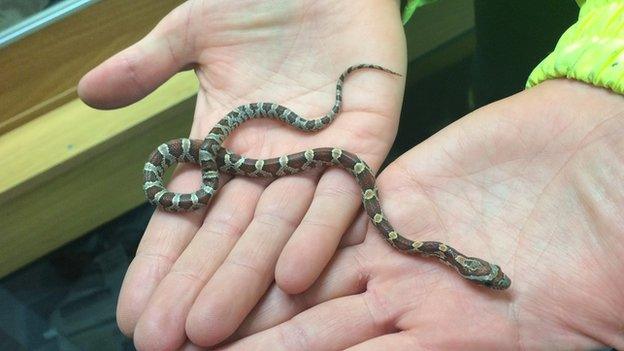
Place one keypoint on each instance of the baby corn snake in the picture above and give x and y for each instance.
(212, 158)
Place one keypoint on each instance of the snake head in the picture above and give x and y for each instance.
(496, 280)
(483, 273)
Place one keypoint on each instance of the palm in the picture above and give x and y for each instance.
(522, 183)
(292, 54)
(285, 52)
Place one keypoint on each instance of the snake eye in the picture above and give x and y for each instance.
(501, 281)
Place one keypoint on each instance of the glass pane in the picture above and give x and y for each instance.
(21, 17)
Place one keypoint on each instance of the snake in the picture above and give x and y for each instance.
(213, 159)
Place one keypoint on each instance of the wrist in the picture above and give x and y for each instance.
(594, 177)
(582, 126)
(569, 98)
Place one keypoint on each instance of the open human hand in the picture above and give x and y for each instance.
(534, 183)
(199, 274)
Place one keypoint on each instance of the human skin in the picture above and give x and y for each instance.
(534, 182)
(206, 270)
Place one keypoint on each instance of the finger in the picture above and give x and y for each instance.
(357, 230)
(161, 325)
(346, 275)
(188, 346)
(335, 324)
(166, 236)
(139, 69)
(248, 270)
(314, 242)
(396, 341)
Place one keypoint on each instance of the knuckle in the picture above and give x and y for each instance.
(239, 262)
(333, 192)
(320, 223)
(294, 337)
(186, 274)
(222, 226)
(158, 262)
(276, 219)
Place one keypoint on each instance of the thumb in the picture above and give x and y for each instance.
(136, 71)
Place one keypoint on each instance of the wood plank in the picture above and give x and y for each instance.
(75, 130)
(75, 168)
(40, 72)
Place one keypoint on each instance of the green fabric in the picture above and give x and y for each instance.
(591, 50)
(411, 7)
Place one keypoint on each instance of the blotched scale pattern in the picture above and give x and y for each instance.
(213, 158)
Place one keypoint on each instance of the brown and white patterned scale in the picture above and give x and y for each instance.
(213, 158)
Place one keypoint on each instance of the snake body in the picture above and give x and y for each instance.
(212, 157)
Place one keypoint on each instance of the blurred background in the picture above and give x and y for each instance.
(60, 294)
